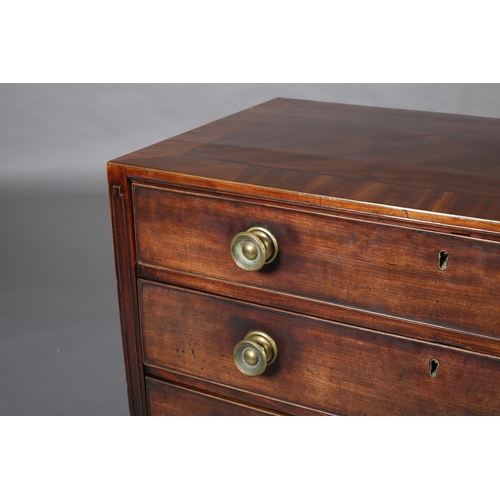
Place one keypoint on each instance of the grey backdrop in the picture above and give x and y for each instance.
(60, 347)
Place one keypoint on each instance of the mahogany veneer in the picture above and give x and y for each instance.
(384, 296)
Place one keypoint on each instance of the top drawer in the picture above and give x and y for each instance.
(371, 266)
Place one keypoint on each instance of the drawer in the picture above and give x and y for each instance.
(322, 365)
(171, 400)
(365, 265)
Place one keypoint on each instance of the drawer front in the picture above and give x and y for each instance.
(322, 365)
(171, 400)
(369, 266)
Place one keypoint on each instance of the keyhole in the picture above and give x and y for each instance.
(444, 257)
(433, 368)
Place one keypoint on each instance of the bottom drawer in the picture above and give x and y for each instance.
(167, 399)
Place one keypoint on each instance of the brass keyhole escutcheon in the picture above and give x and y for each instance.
(254, 248)
(255, 353)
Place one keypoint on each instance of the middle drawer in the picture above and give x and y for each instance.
(320, 364)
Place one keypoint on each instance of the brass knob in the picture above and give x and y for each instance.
(253, 248)
(255, 353)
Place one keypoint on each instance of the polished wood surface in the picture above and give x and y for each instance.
(327, 366)
(448, 164)
(123, 241)
(327, 310)
(375, 267)
(166, 399)
(362, 201)
(250, 399)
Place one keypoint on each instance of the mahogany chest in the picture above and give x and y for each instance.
(307, 258)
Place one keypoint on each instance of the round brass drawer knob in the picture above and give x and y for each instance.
(255, 353)
(253, 248)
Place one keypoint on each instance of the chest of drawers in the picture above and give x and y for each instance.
(306, 258)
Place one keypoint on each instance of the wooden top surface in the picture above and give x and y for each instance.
(434, 162)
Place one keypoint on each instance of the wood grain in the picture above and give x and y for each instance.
(123, 242)
(361, 200)
(166, 399)
(481, 344)
(326, 366)
(424, 161)
(246, 398)
(374, 267)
